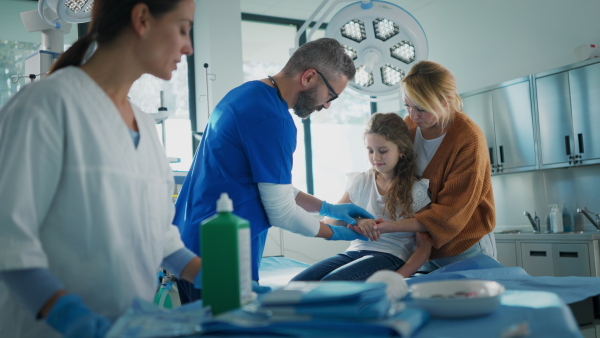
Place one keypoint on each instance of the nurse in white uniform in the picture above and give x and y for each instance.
(85, 187)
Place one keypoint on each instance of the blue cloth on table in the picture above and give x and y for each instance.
(345, 300)
(240, 322)
(544, 314)
(569, 289)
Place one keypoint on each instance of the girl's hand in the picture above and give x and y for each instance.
(368, 228)
(383, 226)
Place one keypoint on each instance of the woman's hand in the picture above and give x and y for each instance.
(368, 228)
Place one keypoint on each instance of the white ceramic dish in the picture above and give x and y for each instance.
(458, 298)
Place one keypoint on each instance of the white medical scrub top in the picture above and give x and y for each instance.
(80, 199)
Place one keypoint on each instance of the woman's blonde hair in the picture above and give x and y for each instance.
(394, 129)
(433, 88)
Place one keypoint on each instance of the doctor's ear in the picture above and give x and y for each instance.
(308, 77)
(140, 19)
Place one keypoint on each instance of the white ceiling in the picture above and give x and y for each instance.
(302, 9)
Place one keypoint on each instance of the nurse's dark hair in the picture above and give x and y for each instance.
(109, 19)
(394, 129)
(326, 55)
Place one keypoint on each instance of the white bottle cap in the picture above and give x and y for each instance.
(224, 204)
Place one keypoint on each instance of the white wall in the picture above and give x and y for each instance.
(218, 42)
(485, 42)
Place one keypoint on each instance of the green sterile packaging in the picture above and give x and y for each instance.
(226, 266)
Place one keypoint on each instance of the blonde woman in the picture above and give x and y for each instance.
(451, 152)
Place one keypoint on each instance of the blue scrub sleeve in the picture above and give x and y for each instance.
(176, 262)
(33, 286)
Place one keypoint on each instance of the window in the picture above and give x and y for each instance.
(145, 93)
(12, 66)
(337, 143)
(336, 140)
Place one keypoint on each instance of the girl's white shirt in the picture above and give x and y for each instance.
(362, 190)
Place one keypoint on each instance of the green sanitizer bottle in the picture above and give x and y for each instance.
(226, 265)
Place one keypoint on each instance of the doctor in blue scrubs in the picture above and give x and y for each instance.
(247, 149)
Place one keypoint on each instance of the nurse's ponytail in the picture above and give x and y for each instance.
(75, 54)
(109, 19)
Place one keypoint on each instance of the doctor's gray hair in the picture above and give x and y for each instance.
(326, 55)
(109, 19)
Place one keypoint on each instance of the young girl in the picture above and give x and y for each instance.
(390, 191)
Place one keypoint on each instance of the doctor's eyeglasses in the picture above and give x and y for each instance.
(332, 92)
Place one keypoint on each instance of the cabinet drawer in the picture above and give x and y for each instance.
(537, 259)
(571, 260)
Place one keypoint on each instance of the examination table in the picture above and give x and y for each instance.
(531, 306)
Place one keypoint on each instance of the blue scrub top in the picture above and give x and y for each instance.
(250, 138)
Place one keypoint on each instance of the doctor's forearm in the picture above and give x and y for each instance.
(308, 202)
(324, 231)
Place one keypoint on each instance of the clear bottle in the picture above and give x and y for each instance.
(556, 219)
(226, 265)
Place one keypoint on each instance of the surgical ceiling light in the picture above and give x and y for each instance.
(53, 18)
(72, 11)
(383, 39)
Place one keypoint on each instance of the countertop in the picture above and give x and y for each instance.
(528, 235)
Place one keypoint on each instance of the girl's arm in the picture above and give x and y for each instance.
(417, 259)
(403, 225)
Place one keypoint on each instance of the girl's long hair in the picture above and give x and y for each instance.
(399, 194)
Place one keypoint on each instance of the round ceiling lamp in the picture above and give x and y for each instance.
(72, 11)
(383, 39)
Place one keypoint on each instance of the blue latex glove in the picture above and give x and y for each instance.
(260, 289)
(198, 280)
(72, 318)
(341, 233)
(344, 212)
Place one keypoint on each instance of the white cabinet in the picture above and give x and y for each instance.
(507, 253)
(537, 259)
(584, 85)
(504, 113)
(568, 106)
(571, 260)
(550, 255)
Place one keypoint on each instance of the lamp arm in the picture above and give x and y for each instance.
(307, 22)
(319, 22)
(322, 19)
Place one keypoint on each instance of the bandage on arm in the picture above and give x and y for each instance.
(283, 212)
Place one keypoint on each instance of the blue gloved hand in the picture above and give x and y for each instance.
(260, 289)
(341, 233)
(344, 212)
(198, 280)
(72, 318)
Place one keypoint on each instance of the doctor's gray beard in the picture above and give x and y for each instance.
(307, 103)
